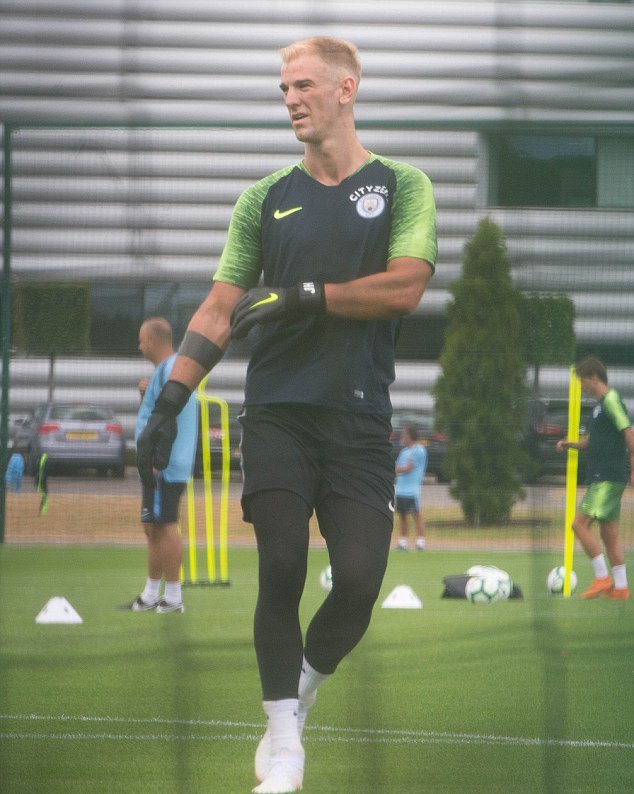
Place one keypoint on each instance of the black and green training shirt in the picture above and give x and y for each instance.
(289, 228)
(607, 451)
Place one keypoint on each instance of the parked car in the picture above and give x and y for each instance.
(72, 435)
(546, 423)
(435, 442)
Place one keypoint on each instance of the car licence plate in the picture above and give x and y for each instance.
(81, 436)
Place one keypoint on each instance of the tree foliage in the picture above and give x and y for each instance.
(480, 394)
(548, 330)
(51, 319)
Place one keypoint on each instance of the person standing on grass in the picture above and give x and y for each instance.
(410, 472)
(161, 499)
(345, 243)
(609, 442)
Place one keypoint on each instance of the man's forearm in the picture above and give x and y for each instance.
(394, 293)
(211, 323)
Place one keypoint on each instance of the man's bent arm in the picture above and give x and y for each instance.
(394, 293)
(212, 321)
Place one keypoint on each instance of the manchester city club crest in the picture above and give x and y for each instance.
(371, 205)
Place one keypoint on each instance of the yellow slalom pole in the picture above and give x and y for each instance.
(224, 491)
(574, 417)
(207, 490)
(191, 521)
(182, 569)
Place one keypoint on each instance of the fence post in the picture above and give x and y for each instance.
(6, 323)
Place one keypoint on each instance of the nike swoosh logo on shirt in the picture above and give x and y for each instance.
(279, 214)
(273, 296)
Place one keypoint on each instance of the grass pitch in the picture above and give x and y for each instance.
(520, 696)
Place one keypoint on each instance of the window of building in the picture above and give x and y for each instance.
(568, 171)
(119, 309)
(543, 171)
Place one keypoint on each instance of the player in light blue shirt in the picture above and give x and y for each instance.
(410, 472)
(159, 508)
(181, 462)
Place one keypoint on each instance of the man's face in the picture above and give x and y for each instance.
(589, 384)
(311, 95)
(146, 341)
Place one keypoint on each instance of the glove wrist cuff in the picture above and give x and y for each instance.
(172, 398)
(311, 297)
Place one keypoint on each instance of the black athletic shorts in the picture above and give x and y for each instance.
(165, 502)
(407, 504)
(313, 451)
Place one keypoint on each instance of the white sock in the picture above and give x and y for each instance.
(420, 543)
(620, 577)
(173, 593)
(151, 592)
(309, 681)
(600, 568)
(282, 724)
(402, 543)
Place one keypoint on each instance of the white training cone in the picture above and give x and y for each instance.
(58, 610)
(402, 597)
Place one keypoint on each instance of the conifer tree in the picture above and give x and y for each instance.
(480, 394)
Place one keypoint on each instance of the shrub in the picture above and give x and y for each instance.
(480, 394)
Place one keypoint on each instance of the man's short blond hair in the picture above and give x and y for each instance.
(160, 329)
(341, 55)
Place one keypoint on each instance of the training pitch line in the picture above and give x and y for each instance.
(314, 733)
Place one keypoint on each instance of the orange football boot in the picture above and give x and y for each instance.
(598, 587)
(617, 594)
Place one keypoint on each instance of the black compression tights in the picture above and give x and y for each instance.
(358, 539)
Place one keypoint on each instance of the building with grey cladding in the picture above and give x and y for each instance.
(135, 126)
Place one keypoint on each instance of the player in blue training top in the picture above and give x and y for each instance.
(343, 245)
(410, 472)
(161, 499)
(610, 442)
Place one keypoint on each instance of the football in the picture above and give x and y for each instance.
(504, 579)
(325, 579)
(483, 590)
(555, 580)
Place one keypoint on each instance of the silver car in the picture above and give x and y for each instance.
(73, 435)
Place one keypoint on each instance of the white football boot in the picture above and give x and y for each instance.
(285, 773)
(262, 761)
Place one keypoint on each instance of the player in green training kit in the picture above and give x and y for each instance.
(609, 441)
(343, 244)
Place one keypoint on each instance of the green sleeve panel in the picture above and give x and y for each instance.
(241, 260)
(615, 410)
(413, 232)
(413, 215)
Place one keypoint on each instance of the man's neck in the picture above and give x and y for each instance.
(331, 164)
(160, 357)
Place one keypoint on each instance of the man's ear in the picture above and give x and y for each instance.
(348, 88)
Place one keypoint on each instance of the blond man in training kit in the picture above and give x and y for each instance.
(345, 243)
(610, 443)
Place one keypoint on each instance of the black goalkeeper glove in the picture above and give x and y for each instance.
(263, 305)
(154, 444)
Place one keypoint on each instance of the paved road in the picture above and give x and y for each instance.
(87, 482)
(546, 494)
